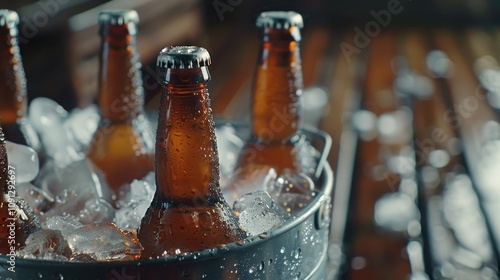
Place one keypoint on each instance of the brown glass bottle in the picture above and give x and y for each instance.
(122, 147)
(17, 219)
(276, 95)
(13, 97)
(188, 212)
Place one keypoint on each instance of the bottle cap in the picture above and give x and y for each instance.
(118, 17)
(8, 18)
(183, 57)
(280, 20)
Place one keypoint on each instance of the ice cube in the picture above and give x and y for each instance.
(229, 146)
(365, 123)
(46, 241)
(96, 210)
(24, 160)
(143, 189)
(45, 112)
(78, 176)
(395, 127)
(47, 117)
(81, 124)
(257, 212)
(313, 103)
(395, 211)
(66, 225)
(69, 204)
(248, 179)
(140, 190)
(309, 156)
(74, 186)
(130, 215)
(133, 207)
(105, 242)
(292, 190)
(37, 199)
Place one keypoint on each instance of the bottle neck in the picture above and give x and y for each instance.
(278, 86)
(13, 100)
(187, 162)
(121, 95)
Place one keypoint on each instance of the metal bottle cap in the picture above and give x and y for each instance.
(8, 18)
(280, 20)
(118, 17)
(183, 57)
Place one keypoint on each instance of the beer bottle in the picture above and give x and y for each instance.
(122, 146)
(275, 135)
(17, 219)
(188, 212)
(13, 96)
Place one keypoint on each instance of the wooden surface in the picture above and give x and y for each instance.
(367, 81)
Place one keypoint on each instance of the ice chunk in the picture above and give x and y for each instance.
(130, 215)
(143, 189)
(229, 146)
(75, 187)
(136, 202)
(313, 103)
(47, 117)
(81, 125)
(45, 112)
(248, 179)
(105, 242)
(96, 210)
(258, 212)
(309, 156)
(292, 190)
(37, 199)
(77, 176)
(25, 161)
(403, 162)
(395, 127)
(46, 241)
(69, 204)
(365, 123)
(66, 225)
(395, 211)
(409, 82)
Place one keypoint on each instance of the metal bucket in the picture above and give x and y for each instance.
(296, 250)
